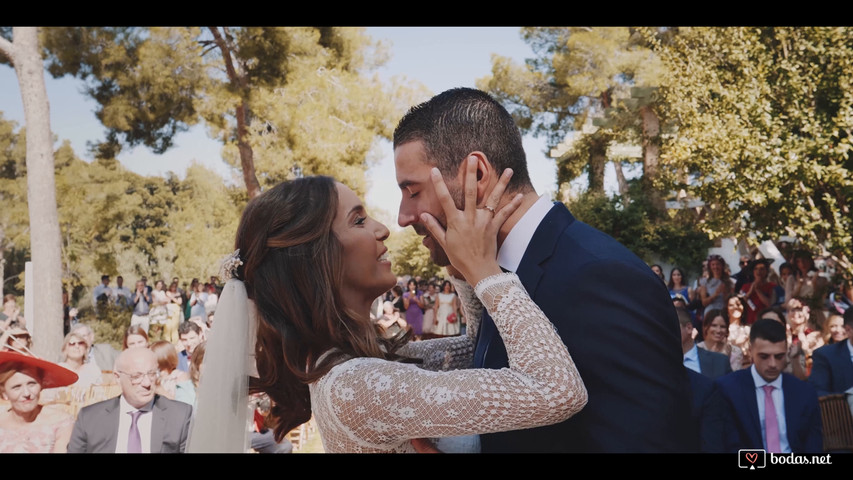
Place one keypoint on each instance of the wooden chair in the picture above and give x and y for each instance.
(297, 437)
(837, 423)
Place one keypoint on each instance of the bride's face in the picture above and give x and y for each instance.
(366, 268)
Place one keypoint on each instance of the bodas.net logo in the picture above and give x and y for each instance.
(751, 458)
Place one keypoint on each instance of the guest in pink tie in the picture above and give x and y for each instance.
(771, 410)
(137, 421)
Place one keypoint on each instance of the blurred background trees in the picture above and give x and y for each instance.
(711, 132)
(707, 133)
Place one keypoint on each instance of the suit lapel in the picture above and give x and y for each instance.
(750, 401)
(541, 247)
(113, 411)
(158, 424)
(843, 359)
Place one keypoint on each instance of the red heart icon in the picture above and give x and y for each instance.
(752, 457)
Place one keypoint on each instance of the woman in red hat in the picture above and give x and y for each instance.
(25, 425)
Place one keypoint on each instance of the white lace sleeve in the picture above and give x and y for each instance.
(373, 405)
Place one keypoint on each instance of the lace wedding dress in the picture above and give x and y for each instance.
(374, 405)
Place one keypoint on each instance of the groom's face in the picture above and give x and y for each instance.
(413, 177)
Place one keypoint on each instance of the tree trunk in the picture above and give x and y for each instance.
(620, 179)
(247, 160)
(597, 161)
(651, 154)
(45, 240)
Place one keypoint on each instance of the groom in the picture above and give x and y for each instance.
(614, 315)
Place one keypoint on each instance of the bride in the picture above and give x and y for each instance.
(310, 264)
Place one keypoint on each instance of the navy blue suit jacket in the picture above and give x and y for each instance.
(713, 364)
(617, 320)
(832, 369)
(802, 412)
(711, 415)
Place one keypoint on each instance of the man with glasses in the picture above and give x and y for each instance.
(137, 421)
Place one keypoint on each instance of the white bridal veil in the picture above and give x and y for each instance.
(222, 413)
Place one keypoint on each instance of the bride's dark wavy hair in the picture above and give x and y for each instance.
(292, 269)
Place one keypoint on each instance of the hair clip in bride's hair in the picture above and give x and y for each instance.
(229, 264)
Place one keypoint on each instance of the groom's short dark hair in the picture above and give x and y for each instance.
(459, 121)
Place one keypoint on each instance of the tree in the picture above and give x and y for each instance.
(764, 120)
(578, 74)
(409, 256)
(14, 240)
(24, 54)
(284, 102)
(597, 84)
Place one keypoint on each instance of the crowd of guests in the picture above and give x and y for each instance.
(47, 400)
(160, 309)
(725, 304)
(429, 308)
(784, 331)
(758, 321)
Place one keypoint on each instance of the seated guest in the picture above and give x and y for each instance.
(795, 361)
(262, 438)
(191, 335)
(134, 337)
(771, 410)
(391, 323)
(833, 329)
(710, 364)
(173, 384)
(27, 426)
(102, 354)
(75, 358)
(715, 330)
(137, 421)
(832, 365)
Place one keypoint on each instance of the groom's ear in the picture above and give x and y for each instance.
(485, 175)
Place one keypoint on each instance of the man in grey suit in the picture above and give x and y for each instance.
(710, 364)
(137, 421)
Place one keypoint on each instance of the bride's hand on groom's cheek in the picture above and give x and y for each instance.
(470, 236)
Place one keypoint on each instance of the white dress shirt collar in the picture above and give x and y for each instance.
(760, 382)
(691, 359)
(516, 242)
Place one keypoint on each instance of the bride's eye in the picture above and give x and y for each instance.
(360, 220)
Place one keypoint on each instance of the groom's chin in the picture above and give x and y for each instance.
(436, 253)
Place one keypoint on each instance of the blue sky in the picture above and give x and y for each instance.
(438, 57)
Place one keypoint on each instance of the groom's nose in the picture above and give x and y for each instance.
(408, 214)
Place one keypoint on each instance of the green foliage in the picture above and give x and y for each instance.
(409, 256)
(764, 121)
(14, 234)
(673, 237)
(146, 81)
(576, 74)
(303, 93)
(116, 222)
